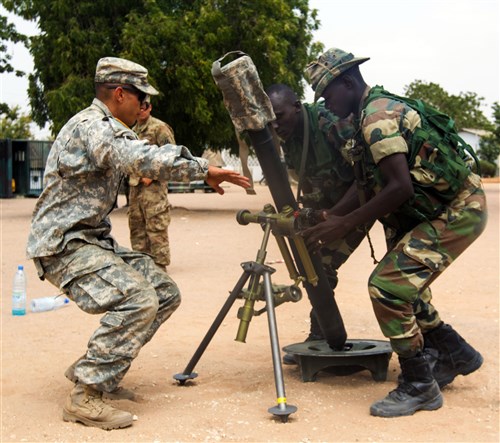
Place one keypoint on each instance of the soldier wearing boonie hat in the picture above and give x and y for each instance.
(416, 170)
(124, 72)
(329, 66)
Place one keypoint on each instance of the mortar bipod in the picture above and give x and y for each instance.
(253, 270)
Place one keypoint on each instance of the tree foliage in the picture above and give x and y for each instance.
(8, 33)
(464, 108)
(73, 36)
(15, 125)
(489, 147)
(177, 41)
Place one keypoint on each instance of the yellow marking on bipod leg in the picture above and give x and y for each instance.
(281, 400)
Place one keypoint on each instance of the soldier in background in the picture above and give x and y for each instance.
(70, 238)
(416, 173)
(149, 208)
(312, 138)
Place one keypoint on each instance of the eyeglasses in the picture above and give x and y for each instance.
(141, 96)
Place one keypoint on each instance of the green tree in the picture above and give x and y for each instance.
(464, 108)
(277, 34)
(8, 33)
(489, 147)
(73, 36)
(15, 125)
(177, 41)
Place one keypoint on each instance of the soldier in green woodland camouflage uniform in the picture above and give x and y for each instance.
(430, 217)
(312, 137)
(70, 239)
(149, 211)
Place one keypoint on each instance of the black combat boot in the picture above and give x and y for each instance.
(455, 356)
(417, 390)
(314, 334)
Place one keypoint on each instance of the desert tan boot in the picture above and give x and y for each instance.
(119, 393)
(85, 405)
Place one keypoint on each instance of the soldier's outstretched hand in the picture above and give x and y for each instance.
(218, 175)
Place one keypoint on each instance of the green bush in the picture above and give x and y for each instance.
(488, 169)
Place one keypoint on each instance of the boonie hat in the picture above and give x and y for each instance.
(125, 72)
(329, 66)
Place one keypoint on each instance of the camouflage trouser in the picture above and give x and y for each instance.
(134, 295)
(148, 219)
(334, 255)
(399, 285)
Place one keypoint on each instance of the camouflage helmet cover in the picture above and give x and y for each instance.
(125, 72)
(329, 66)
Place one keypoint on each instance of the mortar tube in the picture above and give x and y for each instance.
(321, 295)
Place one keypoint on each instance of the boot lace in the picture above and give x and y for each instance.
(94, 403)
(403, 389)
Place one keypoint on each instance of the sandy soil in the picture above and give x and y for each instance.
(229, 400)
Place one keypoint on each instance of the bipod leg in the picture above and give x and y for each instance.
(188, 373)
(281, 410)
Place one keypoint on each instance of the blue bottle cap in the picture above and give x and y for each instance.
(20, 267)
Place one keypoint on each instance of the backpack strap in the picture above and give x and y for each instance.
(305, 150)
(436, 118)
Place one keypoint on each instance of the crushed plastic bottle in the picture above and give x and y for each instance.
(48, 303)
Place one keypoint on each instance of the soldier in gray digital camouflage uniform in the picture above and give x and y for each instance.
(71, 244)
(149, 208)
(417, 180)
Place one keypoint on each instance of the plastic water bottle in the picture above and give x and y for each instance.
(48, 303)
(19, 292)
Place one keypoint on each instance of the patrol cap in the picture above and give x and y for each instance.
(125, 72)
(329, 66)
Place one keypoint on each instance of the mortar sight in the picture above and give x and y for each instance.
(288, 221)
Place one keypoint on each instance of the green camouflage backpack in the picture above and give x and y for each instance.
(436, 139)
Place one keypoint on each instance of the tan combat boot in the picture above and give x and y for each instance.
(118, 394)
(85, 405)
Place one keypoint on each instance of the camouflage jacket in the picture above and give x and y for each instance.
(387, 126)
(327, 174)
(86, 164)
(156, 132)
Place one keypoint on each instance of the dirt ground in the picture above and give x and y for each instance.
(229, 400)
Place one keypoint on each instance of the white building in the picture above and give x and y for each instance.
(473, 138)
